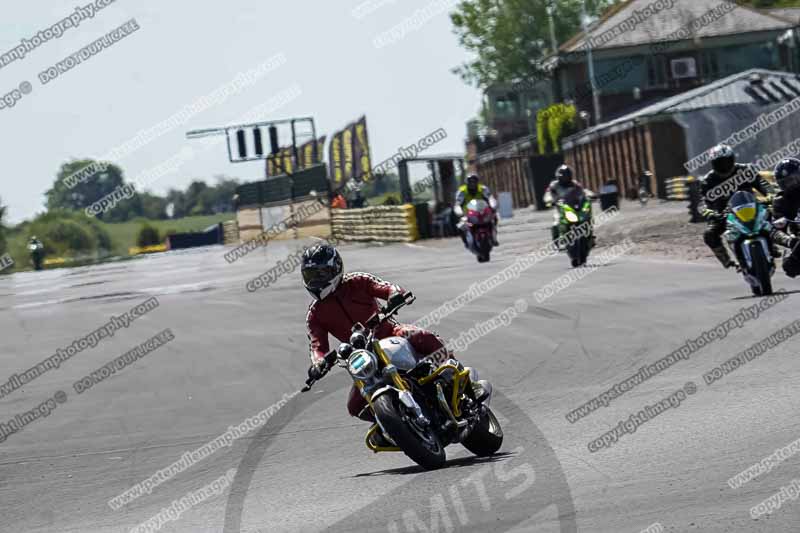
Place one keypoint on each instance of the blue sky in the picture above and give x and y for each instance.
(185, 50)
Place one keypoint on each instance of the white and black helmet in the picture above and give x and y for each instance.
(322, 270)
(723, 159)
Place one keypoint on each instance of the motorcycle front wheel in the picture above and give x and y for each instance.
(421, 445)
(761, 270)
(485, 438)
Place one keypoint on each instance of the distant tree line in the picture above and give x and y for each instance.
(199, 198)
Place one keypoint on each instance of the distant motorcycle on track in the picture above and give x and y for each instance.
(479, 226)
(575, 210)
(420, 406)
(36, 248)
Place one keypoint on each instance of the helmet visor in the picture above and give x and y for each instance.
(723, 165)
(318, 277)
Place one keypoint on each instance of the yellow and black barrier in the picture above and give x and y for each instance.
(379, 223)
(678, 188)
(156, 248)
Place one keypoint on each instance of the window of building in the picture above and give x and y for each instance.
(657, 71)
(709, 65)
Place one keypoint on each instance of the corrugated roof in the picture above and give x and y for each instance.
(733, 90)
(670, 20)
(788, 13)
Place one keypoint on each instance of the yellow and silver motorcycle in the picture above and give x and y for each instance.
(421, 406)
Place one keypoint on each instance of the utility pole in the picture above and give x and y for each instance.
(598, 114)
(551, 9)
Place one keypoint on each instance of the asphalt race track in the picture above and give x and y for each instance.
(236, 353)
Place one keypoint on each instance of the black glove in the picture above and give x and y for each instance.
(396, 298)
(317, 371)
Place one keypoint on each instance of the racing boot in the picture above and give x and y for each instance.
(494, 235)
(480, 387)
(555, 232)
(721, 253)
(482, 390)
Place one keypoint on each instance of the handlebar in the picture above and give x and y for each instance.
(383, 314)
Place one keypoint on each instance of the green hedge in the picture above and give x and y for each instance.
(553, 124)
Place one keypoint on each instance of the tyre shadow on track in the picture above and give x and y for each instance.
(550, 488)
(454, 463)
(751, 297)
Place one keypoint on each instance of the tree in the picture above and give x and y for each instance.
(509, 37)
(85, 193)
(148, 236)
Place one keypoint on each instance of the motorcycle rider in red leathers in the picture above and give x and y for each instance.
(341, 300)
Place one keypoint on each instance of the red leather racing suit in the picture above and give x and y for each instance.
(354, 301)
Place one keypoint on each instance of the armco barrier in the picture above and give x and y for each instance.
(379, 223)
(678, 187)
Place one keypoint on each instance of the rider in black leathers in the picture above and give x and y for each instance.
(717, 187)
(786, 207)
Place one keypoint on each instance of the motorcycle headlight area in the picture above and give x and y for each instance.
(746, 213)
(571, 216)
(362, 365)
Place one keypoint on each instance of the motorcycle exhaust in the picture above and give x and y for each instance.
(459, 425)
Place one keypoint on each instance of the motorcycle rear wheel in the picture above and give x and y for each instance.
(429, 456)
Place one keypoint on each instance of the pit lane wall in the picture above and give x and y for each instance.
(379, 223)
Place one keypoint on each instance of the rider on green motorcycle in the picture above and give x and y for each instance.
(561, 188)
